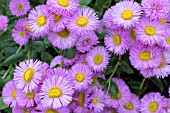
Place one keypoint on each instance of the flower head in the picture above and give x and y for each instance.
(19, 7)
(149, 32)
(126, 13)
(19, 33)
(153, 103)
(40, 19)
(9, 94)
(3, 22)
(155, 9)
(83, 22)
(81, 76)
(116, 41)
(27, 75)
(86, 42)
(144, 57)
(57, 91)
(98, 58)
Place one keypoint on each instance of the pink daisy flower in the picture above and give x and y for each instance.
(57, 91)
(81, 101)
(81, 76)
(9, 94)
(19, 7)
(27, 100)
(3, 22)
(27, 75)
(144, 57)
(64, 7)
(116, 41)
(124, 94)
(109, 110)
(96, 101)
(150, 32)
(86, 42)
(83, 22)
(163, 70)
(58, 60)
(126, 13)
(63, 39)
(155, 9)
(165, 43)
(153, 103)
(46, 71)
(19, 33)
(130, 107)
(22, 110)
(98, 58)
(81, 59)
(108, 19)
(59, 21)
(40, 19)
(60, 72)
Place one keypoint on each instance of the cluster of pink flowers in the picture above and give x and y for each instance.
(37, 88)
(143, 30)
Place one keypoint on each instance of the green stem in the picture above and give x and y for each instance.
(114, 70)
(28, 54)
(9, 68)
(56, 50)
(108, 88)
(141, 85)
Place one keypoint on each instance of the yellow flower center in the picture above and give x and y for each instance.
(168, 40)
(145, 56)
(41, 20)
(162, 61)
(94, 80)
(153, 106)
(149, 30)
(51, 111)
(28, 74)
(82, 21)
(81, 99)
(57, 18)
(25, 110)
(98, 59)
(64, 34)
(54, 92)
(22, 34)
(28, 28)
(119, 96)
(127, 14)
(95, 100)
(20, 7)
(14, 94)
(133, 34)
(30, 95)
(116, 39)
(84, 62)
(79, 77)
(63, 3)
(163, 21)
(128, 106)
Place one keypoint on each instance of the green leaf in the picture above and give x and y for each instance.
(2, 105)
(46, 57)
(14, 58)
(101, 81)
(38, 45)
(114, 91)
(84, 2)
(70, 53)
(126, 68)
(158, 83)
